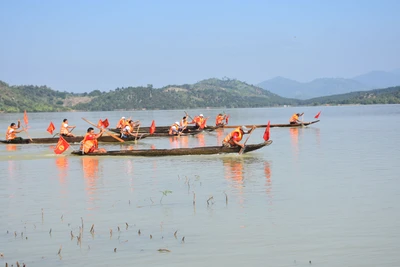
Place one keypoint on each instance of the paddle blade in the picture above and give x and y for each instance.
(26, 118)
(152, 127)
(61, 146)
(51, 128)
(317, 116)
(266, 133)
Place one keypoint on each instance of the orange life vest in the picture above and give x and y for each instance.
(229, 137)
(63, 129)
(198, 120)
(294, 118)
(10, 136)
(89, 143)
(121, 123)
(183, 123)
(219, 120)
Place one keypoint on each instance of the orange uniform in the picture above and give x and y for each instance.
(236, 135)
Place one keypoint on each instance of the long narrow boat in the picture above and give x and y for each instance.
(165, 129)
(274, 125)
(103, 139)
(208, 150)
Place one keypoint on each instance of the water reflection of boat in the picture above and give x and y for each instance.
(11, 147)
(208, 150)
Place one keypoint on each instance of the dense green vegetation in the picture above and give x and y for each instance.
(389, 95)
(32, 98)
(225, 93)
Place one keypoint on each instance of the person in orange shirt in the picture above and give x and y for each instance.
(89, 142)
(219, 120)
(121, 123)
(183, 124)
(12, 131)
(198, 121)
(233, 138)
(174, 129)
(64, 131)
(295, 118)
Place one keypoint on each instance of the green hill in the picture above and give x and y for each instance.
(207, 93)
(389, 95)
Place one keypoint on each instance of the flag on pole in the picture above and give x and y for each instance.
(51, 128)
(26, 118)
(105, 123)
(317, 116)
(152, 127)
(61, 146)
(266, 133)
(227, 119)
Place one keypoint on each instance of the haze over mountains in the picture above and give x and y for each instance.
(331, 86)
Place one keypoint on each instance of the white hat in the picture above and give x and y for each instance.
(201, 115)
(122, 117)
(244, 129)
(177, 122)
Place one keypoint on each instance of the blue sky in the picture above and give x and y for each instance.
(80, 46)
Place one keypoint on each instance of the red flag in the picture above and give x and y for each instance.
(100, 124)
(105, 123)
(266, 133)
(61, 146)
(25, 118)
(51, 128)
(152, 127)
(227, 119)
(317, 116)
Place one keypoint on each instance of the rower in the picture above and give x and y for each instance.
(64, 131)
(199, 122)
(89, 143)
(183, 124)
(12, 131)
(219, 120)
(233, 138)
(295, 118)
(174, 129)
(121, 123)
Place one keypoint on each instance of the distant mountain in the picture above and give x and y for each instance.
(319, 87)
(389, 95)
(331, 86)
(380, 79)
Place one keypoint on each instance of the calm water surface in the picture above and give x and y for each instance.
(327, 193)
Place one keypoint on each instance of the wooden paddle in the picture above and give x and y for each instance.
(108, 132)
(244, 144)
(137, 132)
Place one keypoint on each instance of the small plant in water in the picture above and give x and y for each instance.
(164, 193)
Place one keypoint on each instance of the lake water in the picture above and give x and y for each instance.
(328, 193)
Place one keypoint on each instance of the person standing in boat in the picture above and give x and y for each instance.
(295, 118)
(233, 138)
(89, 142)
(65, 129)
(12, 131)
(174, 129)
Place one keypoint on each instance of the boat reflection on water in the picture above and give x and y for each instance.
(268, 181)
(11, 147)
(62, 166)
(200, 138)
(234, 170)
(294, 137)
(90, 166)
(220, 136)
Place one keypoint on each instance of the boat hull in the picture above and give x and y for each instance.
(178, 151)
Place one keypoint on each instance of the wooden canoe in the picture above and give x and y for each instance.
(208, 150)
(273, 125)
(103, 139)
(165, 129)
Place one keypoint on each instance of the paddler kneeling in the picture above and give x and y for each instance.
(12, 131)
(233, 139)
(90, 144)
